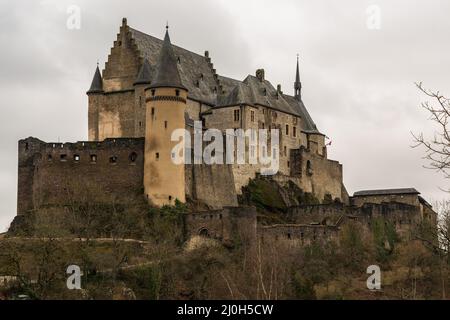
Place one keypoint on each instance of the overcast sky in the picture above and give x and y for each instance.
(358, 82)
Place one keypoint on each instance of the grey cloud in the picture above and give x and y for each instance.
(358, 84)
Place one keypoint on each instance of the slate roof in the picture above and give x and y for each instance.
(167, 74)
(144, 75)
(383, 192)
(198, 75)
(97, 82)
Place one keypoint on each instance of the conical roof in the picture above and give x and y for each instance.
(167, 74)
(97, 82)
(144, 74)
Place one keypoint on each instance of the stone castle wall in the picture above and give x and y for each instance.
(56, 173)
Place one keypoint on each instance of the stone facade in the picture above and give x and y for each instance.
(149, 88)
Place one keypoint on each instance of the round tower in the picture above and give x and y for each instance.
(164, 181)
(95, 99)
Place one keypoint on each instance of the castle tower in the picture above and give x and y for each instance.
(142, 82)
(297, 83)
(95, 96)
(164, 181)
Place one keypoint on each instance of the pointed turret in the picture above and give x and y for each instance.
(97, 82)
(167, 74)
(297, 83)
(144, 74)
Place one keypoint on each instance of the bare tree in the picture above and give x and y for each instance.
(437, 149)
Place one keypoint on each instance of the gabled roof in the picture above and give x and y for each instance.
(198, 75)
(97, 82)
(382, 192)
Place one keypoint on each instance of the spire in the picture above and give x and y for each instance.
(97, 82)
(144, 74)
(167, 74)
(297, 83)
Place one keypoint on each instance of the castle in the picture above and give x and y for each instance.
(149, 88)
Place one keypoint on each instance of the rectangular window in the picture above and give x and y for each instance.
(287, 129)
(252, 116)
(157, 156)
(165, 124)
(236, 115)
(294, 131)
(153, 111)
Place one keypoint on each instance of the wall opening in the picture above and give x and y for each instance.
(113, 160)
(133, 157)
(76, 158)
(63, 157)
(309, 170)
(93, 158)
(204, 233)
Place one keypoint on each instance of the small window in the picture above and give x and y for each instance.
(157, 156)
(287, 129)
(26, 146)
(285, 151)
(140, 124)
(133, 157)
(153, 92)
(165, 124)
(170, 198)
(153, 111)
(288, 164)
(262, 125)
(252, 116)
(236, 115)
(177, 93)
(63, 157)
(113, 160)
(289, 236)
(309, 169)
(76, 158)
(93, 158)
(294, 132)
(49, 157)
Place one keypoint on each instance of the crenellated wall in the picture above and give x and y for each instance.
(57, 173)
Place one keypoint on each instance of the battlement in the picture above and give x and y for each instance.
(50, 172)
